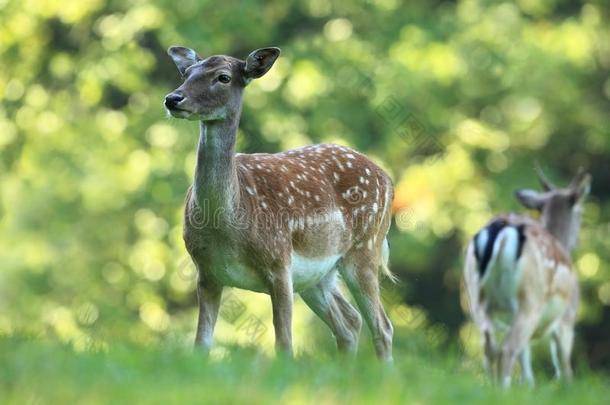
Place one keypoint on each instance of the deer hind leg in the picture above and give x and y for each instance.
(516, 341)
(554, 356)
(563, 338)
(326, 301)
(490, 351)
(361, 275)
(525, 359)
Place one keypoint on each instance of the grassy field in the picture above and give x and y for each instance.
(39, 372)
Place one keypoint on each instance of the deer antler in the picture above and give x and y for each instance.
(546, 184)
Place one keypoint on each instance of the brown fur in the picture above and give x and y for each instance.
(286, 202)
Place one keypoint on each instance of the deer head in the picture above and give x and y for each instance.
(213, 87)
(560, 208)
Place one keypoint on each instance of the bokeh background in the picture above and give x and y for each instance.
(456, 99)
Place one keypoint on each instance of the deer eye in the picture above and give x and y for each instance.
(224, 78)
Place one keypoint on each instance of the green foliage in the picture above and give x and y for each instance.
(455, 99)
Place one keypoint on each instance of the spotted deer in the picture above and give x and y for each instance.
(282, 223)
(519, 279)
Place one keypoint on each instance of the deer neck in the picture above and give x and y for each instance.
(565, 230)
(215, 185)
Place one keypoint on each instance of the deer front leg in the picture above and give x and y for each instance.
(209, 296)
(281, 301)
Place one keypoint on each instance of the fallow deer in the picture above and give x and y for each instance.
(283, 223)
(519, 279)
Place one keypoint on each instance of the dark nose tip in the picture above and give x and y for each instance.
(172, 100)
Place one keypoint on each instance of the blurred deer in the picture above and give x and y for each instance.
(282, 223)
(519, 278)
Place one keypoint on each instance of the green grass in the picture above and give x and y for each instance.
(39, 372)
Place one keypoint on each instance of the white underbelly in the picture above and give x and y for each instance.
(308, 271)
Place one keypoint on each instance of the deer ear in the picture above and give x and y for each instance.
(530, 199)
(583, 187)
(259, 62)
(183, 57)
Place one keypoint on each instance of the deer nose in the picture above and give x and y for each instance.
(172, 100)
